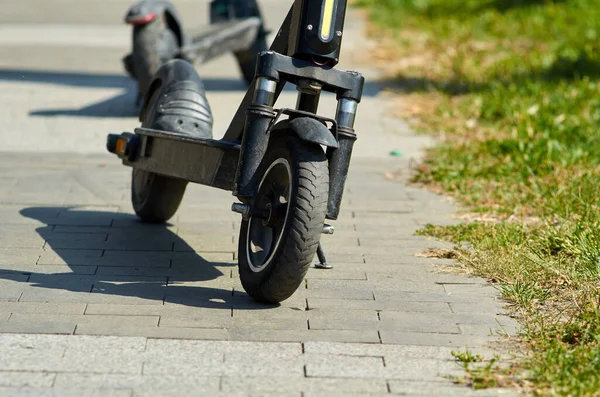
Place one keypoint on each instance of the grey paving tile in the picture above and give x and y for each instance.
(205, 364)
(72, 319)
(206, 244)
(98, 242)
(345, 261)
(16, 256)
(152, 332)
(42, 307)
(138, 383)
(432, 339)
(420, 388)
(66, 392)
(286, 385)
(36, 327)
(350, 336)
(120, 296)
(236, 364)
(48, 269)
(341, 394)
(155, 310)
(107, 345)
(340, 286)
(201, 258)
(24, 214)
(398, 367)
(27, 379)
(338, 274)
(482, 289)
(220, 319)
(281, 319)
(160, 346)
(421, 318)
(133, 271)
(65, 229)
(418, 322)
(30, 345)
(345, 367)
(57, 256)
(187, 229)
(331, 319)
(498, 330)
(406, 306)
(137, 259)
(486, 306)
(405, 352)
(415, 296)
(12, 286)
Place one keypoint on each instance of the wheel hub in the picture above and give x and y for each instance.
(269, 215)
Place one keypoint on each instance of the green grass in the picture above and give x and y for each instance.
(514, 85)
(479, 374)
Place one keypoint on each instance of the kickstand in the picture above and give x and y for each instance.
(322, 261)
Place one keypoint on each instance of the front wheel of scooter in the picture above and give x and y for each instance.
(276, 249)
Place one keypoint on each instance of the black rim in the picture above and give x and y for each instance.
(271, 210)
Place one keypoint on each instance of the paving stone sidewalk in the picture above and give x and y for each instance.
(74, 260)
(94, 303)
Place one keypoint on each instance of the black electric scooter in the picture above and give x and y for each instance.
(287, 167)
(158, 36)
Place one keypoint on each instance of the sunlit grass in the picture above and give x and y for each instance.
(512, 89)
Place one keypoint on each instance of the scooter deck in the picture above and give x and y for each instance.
(205, 161)
(220, 38)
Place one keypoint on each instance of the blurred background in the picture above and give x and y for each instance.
(62, 83)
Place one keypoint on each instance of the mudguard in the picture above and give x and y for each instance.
(145, 11)
(309, 130)
(182, 105)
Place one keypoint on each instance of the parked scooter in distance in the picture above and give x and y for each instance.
(158, 36)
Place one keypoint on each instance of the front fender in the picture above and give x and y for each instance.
(182, 105)
(143, 10)
(309, 130)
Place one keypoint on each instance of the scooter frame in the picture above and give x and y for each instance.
(297, 56)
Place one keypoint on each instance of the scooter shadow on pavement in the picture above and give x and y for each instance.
(111, 256)
(122, 105)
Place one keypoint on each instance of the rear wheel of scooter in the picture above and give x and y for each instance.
(276, 253)
(247, 59)
(155, 198)
(153, 44)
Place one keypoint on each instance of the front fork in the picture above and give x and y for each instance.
(255, 140)
(260, 116)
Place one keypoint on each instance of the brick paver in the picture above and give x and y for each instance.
(92, 302)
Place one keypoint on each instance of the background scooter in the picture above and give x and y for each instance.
(158, 36)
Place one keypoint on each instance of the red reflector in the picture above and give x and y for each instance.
(142, 20)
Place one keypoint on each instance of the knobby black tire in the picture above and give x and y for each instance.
(301, 234)
(161, 196)
(153, 45)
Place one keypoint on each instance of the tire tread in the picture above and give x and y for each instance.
(305, 226)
